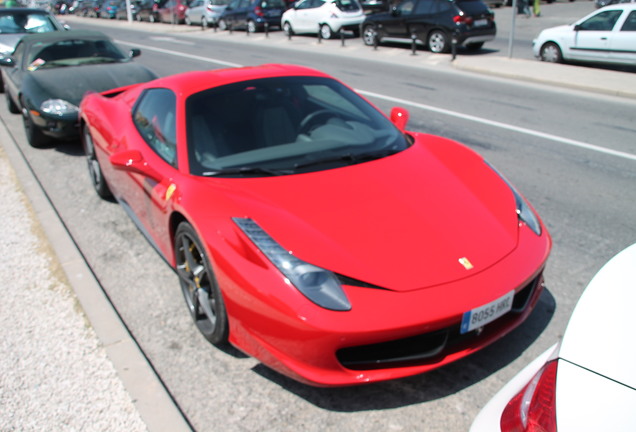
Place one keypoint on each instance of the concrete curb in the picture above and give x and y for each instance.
(152, 400)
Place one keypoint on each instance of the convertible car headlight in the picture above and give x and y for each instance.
(58, 107)
(523, 209)
(317, 284)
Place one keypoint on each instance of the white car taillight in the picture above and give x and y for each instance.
(533, 409)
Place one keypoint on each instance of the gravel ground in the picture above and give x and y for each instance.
(54, 374)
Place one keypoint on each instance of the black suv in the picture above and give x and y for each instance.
(432, 23)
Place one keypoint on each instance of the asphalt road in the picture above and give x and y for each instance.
(586, 198)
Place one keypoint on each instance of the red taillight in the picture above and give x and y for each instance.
(259, 11)
(460, 19)
(533, 409)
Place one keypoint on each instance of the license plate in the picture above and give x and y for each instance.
(481, 22)
(482, 315)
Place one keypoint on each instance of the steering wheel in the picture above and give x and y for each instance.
(306, 124)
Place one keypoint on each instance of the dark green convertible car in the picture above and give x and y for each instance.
(49, 73)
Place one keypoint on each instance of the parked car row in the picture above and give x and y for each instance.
(431, 23)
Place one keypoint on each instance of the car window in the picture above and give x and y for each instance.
(347, 5)
(630, 22)
(155, 119)
(472, 7)
(72, 53)
(281, 124)
(26, 23)
(603, 21)
(272, 4)
(425, 7)
(196, 3)
(306, 4)
(406, 7)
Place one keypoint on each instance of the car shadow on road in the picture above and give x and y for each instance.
(68, 147)
(430, 386)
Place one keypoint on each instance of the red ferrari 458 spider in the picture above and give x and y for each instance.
(310, 230)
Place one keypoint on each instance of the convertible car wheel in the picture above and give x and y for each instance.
(35, 136)
(11, 106)
(202, 294)
(94, 169)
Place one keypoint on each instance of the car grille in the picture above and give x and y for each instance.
(428, 348)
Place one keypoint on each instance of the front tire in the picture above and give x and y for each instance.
(11, 106)
(438, 42)
(287, 28)
(94, 168)
(222, 25)
(251, 27)
(551, 53)
(35, 136)
(325, 31)
(198, 284)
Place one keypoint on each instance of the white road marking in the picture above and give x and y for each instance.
(443, 111)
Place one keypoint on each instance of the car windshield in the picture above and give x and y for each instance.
(284, 125)
(73, 53)
(347, 5)
(17, 23)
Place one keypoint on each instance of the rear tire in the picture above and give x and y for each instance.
(370, 35)
(222, 25)
(438, 42)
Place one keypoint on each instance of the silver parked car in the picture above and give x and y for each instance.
(204, 12)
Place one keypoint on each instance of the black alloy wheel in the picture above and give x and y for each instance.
(94, 168)
(198, 284)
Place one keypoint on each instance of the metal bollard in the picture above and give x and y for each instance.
(342, 38)
(266, 29)
(319, 35)
(375, 41)
(454, 46)
(413, 44)
(229, 27)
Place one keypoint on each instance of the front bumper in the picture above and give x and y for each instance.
(387, 334)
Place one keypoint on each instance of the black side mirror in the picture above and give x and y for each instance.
(395, 12)
(6, 61)
(577, 27)
(134, 52)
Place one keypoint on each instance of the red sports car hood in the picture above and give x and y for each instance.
(408, 221)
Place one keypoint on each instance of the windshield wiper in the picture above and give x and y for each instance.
(245, 170)
(348, 157)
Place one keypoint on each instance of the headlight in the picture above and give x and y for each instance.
(523, 209)
(318, 285)
(58, 107)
